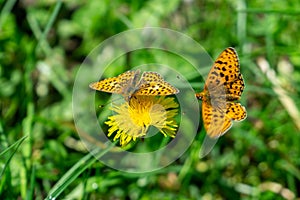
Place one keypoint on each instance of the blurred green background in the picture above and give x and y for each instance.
(43, 43)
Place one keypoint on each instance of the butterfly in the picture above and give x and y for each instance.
(132, 83)
(223, 86)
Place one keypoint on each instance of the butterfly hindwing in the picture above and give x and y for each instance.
(235, 111)
(215, 121)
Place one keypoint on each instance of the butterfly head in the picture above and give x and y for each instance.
(203, 96)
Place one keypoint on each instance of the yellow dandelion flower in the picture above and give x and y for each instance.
(133, 119)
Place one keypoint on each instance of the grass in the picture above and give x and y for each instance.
(42, 46)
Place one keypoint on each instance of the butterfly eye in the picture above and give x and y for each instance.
(199, 96)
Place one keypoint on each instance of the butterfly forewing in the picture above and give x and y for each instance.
(225, 69)
(235, 89)
(152, 83)
(110, 85)
(152, 77)
(115, 84)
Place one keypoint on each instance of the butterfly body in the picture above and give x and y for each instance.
(132, 83)
(222, 88)
(131, 86)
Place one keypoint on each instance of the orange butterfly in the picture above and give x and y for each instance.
(132, 83)
(223, 86)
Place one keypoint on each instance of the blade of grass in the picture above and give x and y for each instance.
(37, 32)
(283, 95)
(6, 10)
(30, 192)
(76, 170)
(290, 168)
(42, 36)
(16, 146)
(241, 24)
(269, 11)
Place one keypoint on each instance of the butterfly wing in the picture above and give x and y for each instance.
(235, 111)
(217, 121)
(152, 77)
(214, 119)
(152, 83)
(224, 76)
(225, 69)
(115, 84)
(235, 88)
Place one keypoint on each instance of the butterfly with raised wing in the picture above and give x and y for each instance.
(223, 86)
(132, 83)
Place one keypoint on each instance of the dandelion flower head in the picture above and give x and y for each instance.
(132, 119)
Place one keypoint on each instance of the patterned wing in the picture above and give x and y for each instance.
(115, 84)
(152, 77)
(235, 89)
(235, 111)
(225, 69)
(214, 119)
(217, 121)
(152, 83)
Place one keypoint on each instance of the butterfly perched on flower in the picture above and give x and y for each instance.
(223, 86)
(132, 83)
